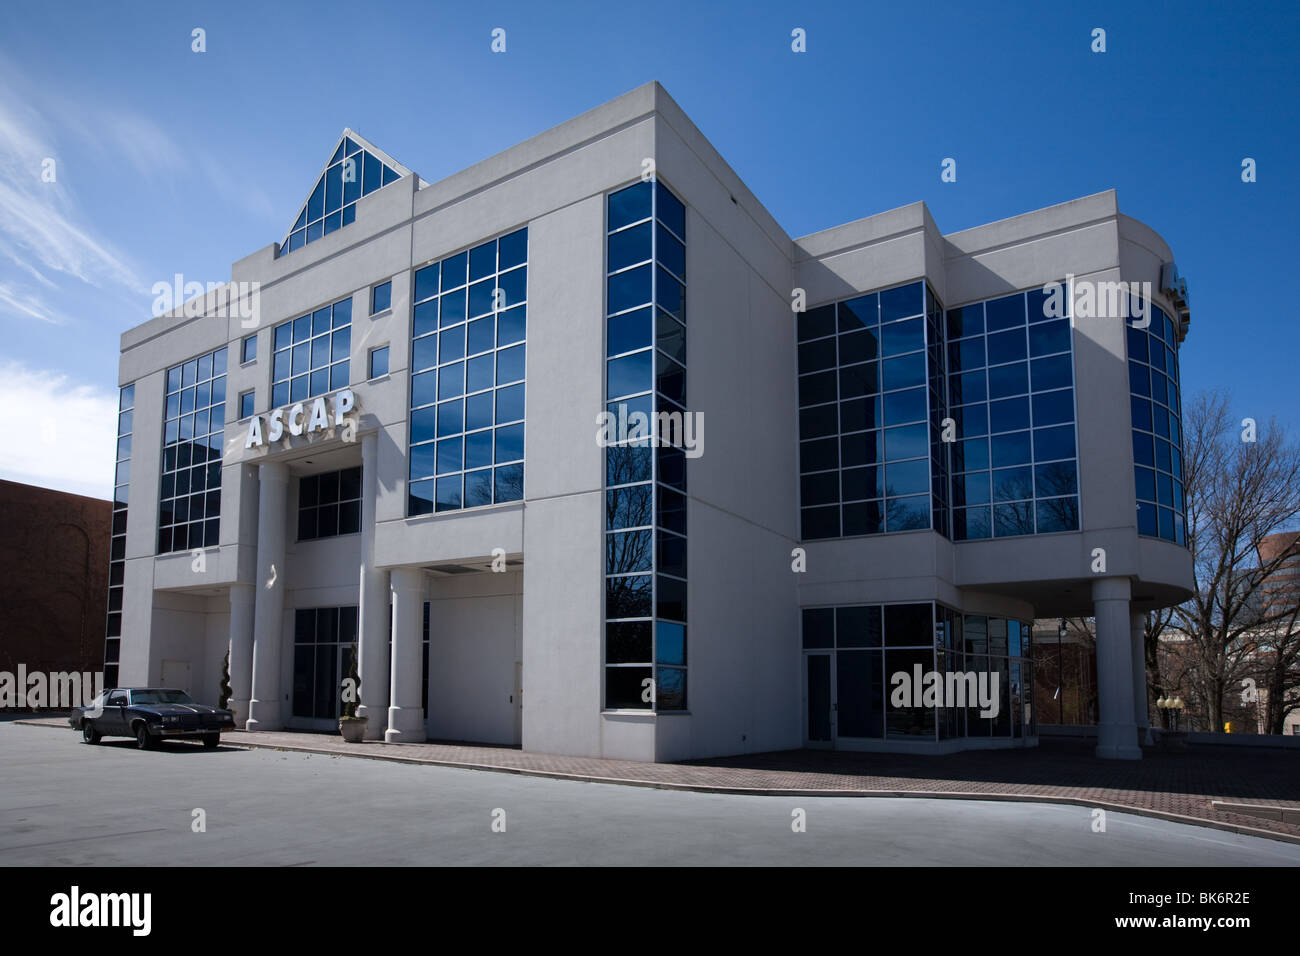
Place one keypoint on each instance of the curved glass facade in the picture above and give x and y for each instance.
(1011, 391)
(1154, 397)
(911, 417)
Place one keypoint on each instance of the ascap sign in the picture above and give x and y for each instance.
(301, 419)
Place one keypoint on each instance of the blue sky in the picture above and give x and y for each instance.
(173, 161)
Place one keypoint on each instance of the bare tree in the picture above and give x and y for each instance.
(1157, 624)
(1238, 492)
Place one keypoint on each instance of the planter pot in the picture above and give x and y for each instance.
(353, 729)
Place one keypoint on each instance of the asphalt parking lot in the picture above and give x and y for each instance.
(65, 803)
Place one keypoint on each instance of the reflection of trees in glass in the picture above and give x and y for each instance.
(510, 484)
(625, 464)
(1056, 479)
(628, 551)
(1062, 514)
(1014, 518)
(628, 507)
(902, 514)
(1013, 485)
(628, 597)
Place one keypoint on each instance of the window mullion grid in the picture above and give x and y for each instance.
(654, 447)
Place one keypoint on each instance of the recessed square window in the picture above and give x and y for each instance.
(381, 297)
(246, 404)
(249, 351)
(379, 361)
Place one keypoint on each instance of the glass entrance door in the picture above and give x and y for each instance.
(819, 701)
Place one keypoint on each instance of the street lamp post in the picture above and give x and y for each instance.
(1171, 709)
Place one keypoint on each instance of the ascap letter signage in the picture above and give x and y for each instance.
(299, 420)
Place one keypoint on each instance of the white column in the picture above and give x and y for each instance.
(242, 597)
(264, 710)
(1141, 709)
(373, 616)
(405, 712)
(1116, 732)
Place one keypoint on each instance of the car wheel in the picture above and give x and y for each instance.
(211, 741)
(88, 733)
(143, 739)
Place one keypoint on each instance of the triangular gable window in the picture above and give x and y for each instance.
(353, 172)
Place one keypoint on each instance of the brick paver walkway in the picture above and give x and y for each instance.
(1170, 786)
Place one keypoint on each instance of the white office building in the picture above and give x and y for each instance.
(896, 448)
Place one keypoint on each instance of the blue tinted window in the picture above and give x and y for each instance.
(628, 289)
(968, 320)
(1053, 408)
(1153, 372)
(1012, 448)
(512, 249)
(906, 406)
(193, 429)
(342, 182)
(379, 362)
(670, 252)
(313, 364)
(1049, 337)
(1049, 373)
(899, 337)
(1006, 346)
(480, 375)
(1007, 380)
(908, 441)
(903, 372)
(381, 297)
(669, 210)
(902, 302)
(1004, 313)
(426, 282)
(629, 247)
(629, 205)
(1008, 414)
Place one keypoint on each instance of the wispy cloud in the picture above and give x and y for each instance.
(71, 433)
(24, 304)
(41, 230)
(44, 233)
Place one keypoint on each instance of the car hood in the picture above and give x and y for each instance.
(170, 709)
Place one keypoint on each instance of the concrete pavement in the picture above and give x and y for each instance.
(65, 803)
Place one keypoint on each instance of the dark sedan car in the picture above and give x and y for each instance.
(150, 714)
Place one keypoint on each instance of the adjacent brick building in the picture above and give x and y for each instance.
(55, 575)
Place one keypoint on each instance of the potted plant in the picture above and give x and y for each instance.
(352, 727)
(225, 693)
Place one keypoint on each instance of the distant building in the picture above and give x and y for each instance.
(1280, 594)
(53, 603)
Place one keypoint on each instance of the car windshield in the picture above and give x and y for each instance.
(160, 697)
